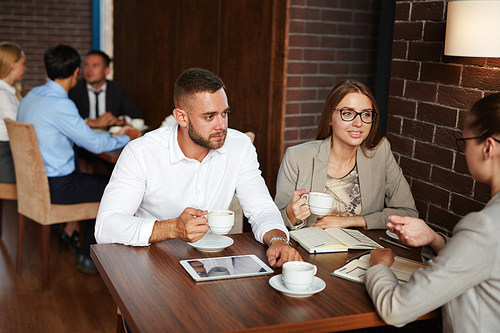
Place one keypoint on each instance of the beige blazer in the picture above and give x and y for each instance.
(384, 190)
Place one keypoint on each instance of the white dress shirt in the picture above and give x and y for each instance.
(8, 107)
(93, 113)
(153, 181)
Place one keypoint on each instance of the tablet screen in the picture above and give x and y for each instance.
(206, 269)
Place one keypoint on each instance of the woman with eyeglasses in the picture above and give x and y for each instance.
(464, 277)
(349, 160)
(12, 68)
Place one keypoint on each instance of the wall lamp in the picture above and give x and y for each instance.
(473, 28)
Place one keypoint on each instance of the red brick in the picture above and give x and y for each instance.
(462, 205)
(292, 108)
(297, 3)
(461, 164)
(366, 17)
(422, 207)
(307, 134)
(294, 81)
(319, 54)
(297, 26)
(437, 114)
(335, 15)
(402, 11)
(399, 49)
(302, 67)
(421, 91)
(415, 168)
(322, 3)
(452, 181)
(335, 42)
(434, 154)
(408, 30)
(400, 144)
(440, 73)
(418, 130)
(291, 134)
(299, 121)
(312, 107)
(483, 78)
(405, 69)
(446, 137)
(303, 40)
(396, 87)
(334, 68)
(482, 192)
(365, 43)
(430, 193)
(442, 217)
(304, 13)
(317, 81)
(351, 56)
(402, 107)
(471, 61)
(300, 94)
(394, 124)
(458, 96)
(434, 31)
(323, 93)
(425, 51)
(322, 28)
(295, 54)
(492, 62)
(428, 11)
(353, 29)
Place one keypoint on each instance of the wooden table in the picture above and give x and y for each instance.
(110, 156)
(156, 294)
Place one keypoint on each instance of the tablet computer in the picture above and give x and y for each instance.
(206, 269)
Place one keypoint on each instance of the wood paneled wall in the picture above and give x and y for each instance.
(242, 41)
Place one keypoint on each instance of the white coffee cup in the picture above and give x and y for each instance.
(220, 221)
(319, 203)
(137, 123)
(298, 275)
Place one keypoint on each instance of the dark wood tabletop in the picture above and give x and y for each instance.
(156, 294)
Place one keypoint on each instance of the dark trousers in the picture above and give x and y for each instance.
(79, 188)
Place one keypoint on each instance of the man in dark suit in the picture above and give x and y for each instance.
(102, 103)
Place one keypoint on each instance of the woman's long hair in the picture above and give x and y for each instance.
(9, 53)
(332, 101)
(483, 119)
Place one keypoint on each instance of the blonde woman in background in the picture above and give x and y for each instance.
(12, 68)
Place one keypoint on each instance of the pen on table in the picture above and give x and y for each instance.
(394, 243)
(358, 256)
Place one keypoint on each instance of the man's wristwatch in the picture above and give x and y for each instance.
(280, 238)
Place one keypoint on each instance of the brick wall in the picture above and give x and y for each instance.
(37, 25)
(429, 94)
(328, 41)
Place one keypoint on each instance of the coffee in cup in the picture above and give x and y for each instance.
(220, 221)
(298, 275)
(319, 203)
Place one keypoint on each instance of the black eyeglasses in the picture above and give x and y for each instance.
(367, 117)
(461, 142)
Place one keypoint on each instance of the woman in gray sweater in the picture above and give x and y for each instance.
(464, 277)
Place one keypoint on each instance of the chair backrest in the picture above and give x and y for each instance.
(33, 196)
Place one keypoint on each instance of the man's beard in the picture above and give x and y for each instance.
(205, 142)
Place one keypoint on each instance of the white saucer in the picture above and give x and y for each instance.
(391, 234)
(212, 243)
(277, 283)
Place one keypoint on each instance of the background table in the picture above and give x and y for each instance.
(156, 294)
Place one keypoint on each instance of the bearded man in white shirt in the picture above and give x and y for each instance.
(165, 182)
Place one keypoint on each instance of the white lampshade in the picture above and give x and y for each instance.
(473, 28)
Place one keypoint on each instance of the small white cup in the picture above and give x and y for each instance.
(220, 221)
(137, 123)
(319, 203)
(298, 275)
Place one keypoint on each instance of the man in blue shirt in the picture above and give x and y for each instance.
(59, 127)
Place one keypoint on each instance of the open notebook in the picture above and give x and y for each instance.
(355, 269)
(317, 240)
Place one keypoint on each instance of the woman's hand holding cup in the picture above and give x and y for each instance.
(298, 209)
